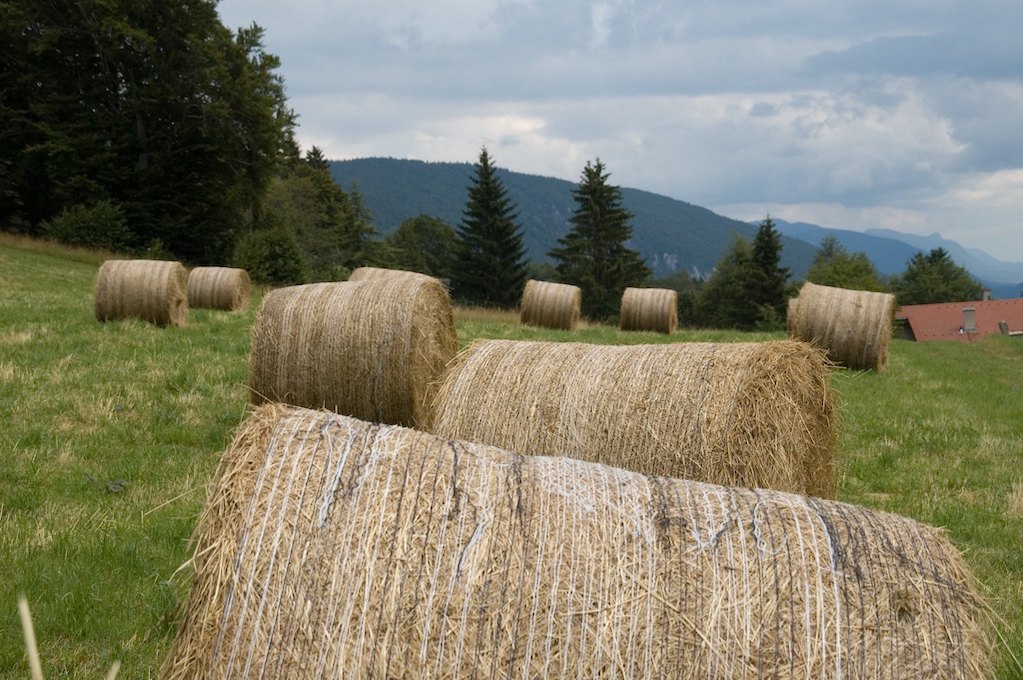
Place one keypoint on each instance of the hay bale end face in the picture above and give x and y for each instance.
(330, 547)
(551, 305)
(742, 414)
(151, 290)
(649, 309)
(226, 288)
(372, 349)
(853, 326)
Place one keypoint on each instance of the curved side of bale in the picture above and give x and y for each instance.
(649, 309)
(742, 414)
(369, 273)
(551, 305)
(853, 326)
(333, 547)
(227, 288)
(151, 290)
(373, 349)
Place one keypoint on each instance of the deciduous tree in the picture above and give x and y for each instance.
(934, 277)
(834, 266)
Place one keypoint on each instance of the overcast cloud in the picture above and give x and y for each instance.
(902, 114)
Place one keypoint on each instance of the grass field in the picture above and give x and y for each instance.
(110, 433)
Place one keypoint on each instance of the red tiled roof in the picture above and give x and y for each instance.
(944, 321)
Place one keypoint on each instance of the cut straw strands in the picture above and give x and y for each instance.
(649, 309)
(740, 414)
(372, 348)
(330, 547)
(853, 326)
(226, 288)
(551, 305)
(151, 290)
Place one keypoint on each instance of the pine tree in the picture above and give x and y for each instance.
(766, 279)
(491, 267)
(593, 254)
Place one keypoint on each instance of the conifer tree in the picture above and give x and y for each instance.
(766, 279)
(593, 254)
(491, 268)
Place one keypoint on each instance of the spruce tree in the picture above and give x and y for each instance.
(766, 280)
(491, 268)
(593, 254)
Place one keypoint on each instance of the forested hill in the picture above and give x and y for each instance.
(672, 235)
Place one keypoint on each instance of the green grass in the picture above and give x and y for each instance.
(110, 433)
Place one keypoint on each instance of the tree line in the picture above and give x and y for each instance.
(149, 128)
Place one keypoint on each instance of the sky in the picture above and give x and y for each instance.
(850, 114)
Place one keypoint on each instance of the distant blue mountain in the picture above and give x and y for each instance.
(891, 250)
(888, 254)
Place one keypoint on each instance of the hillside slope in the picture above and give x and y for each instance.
(671, 235)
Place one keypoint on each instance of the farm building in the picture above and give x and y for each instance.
(962, 321)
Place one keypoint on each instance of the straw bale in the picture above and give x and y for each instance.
(372, 349)
(853, 326)
(649, 309)
(551, 305)
(367, 273)
(742, 414)
(151, 290)
(227, 288)
(330, 547)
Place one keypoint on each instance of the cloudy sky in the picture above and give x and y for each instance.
(901, 114)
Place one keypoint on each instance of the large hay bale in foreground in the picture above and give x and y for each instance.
(551, 305)
(227, 288)
(649, 309)
(331, 547)
(742, 414)
(151, 290)
(853, 326)
(371, 349)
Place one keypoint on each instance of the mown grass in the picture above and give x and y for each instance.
(111, 432)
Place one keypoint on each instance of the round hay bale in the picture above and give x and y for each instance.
(649, 309)
(372, 349)
(151, 290)
(741, 414)
(330, 547)
(225, 288)
(551, 305)
(369, 273)
(853, 326)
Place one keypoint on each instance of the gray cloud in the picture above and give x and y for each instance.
(873, 112)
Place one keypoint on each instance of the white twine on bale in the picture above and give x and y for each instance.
(382, 552)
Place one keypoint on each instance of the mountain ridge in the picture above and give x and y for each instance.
(670, 234)
(891, 250)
